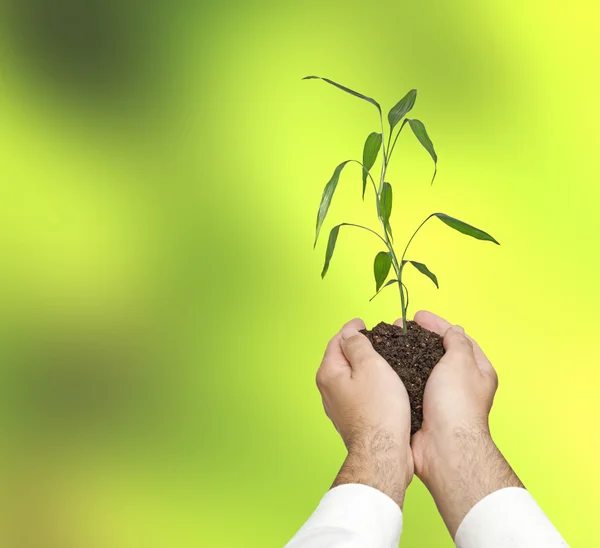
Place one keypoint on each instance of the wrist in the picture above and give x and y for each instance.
(445, 453)
(379, 462)
(462, 468)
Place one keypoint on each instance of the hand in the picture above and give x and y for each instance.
(454, 453)
(459, 393)
(368, 405)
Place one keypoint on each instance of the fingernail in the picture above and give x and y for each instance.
(458, 329)
(348, 332)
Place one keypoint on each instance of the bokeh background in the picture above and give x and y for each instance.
(162, 310)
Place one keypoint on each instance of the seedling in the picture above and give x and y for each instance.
(374, 146)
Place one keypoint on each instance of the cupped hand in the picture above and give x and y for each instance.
(368, 405)
(458, 395)
(454, 454)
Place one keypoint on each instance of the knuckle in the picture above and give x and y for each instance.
(321, 377)
(326, 375)
(493, 377)
(464, 344)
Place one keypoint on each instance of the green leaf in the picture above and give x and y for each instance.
(424, 270)
(389, 283)
(465, 228)
(385, 205)
(421, 134)
(370, 152)
(381, 268)
(327, 196)
(330, 248)
(402, 108)
(347, 90)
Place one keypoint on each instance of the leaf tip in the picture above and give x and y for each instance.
(434, 174)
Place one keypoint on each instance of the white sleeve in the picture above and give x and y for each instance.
(352, 516)
(508, 518)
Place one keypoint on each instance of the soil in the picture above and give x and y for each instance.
(412, 355)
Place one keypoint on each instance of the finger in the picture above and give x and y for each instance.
(334, 362)
(334, 350)
(357, 349)
(399, 322)
(459, 349)
(439, 325)
(485, 366)
(432, 322)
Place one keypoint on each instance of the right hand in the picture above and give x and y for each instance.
(454, 454)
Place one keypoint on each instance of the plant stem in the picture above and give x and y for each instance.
(398, 270)
(395, 264)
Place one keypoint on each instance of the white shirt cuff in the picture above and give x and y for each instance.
(508, 518)
(351, 516)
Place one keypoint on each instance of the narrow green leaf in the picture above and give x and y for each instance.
(386, 206)
(381, 268)
(421, 134)
(347, 90)
(424, 270)
(386, 201)
(370, 152)
(330, 248)
(465, 228)
(402, 108)
(327, 196)
(381, 289)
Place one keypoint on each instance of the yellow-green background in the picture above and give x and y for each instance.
(162, 311)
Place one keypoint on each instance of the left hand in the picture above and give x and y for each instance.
(368, 404)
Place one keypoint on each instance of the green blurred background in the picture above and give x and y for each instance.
(163, 313)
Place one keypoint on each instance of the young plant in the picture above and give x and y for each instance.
(374, 145)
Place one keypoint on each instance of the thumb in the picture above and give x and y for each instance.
(459, 347)
(357, 348)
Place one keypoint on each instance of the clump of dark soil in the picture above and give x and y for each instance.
(412, 355)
